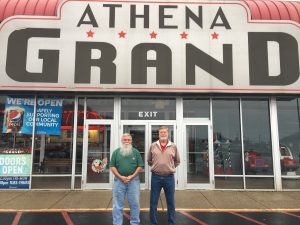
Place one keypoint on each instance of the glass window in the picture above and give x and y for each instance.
(196, 108)
(227, 137)
(15, 141)
(41, 182)
(79, 138)
(54, 136)
(138, 133)
(257, 137)
(148, 109)
(100, 108)
(197, 154)
(98, 154)
(289, 139)
(229, 182)
(259, 182)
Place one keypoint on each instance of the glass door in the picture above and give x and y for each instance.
(139, 133)
(143, 134)
(199, 157)
(97, 147)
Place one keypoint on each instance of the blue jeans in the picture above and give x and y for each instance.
(168, 184)
(133, 194)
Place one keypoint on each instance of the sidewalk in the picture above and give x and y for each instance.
(187, 199)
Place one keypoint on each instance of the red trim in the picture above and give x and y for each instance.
(193, 218)
(40, 7)
(51, 7)
(284, 15)
(21, 7)
(291, 214)
(275, 15)
(249, 3)
(255, 12)
(6, 86)
(280, 90)
(126, 215)
(293, 11)
(30, 7)
(247, 218)
(263, 8)
(10, 8)
(17, 218)
(3, 5)
(67, 218)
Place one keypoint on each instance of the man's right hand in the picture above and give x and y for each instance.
(124, 179)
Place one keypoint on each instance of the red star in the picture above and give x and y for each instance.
(90, 33)
(153, 35)
(122, 34)
(184, 35)
(214, 35)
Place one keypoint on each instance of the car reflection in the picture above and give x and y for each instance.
(288, 164)
(254, 162)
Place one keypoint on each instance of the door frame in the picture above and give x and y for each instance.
(211, 184)
(148, 128)
(84, 184)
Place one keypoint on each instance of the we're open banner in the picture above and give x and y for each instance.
(19, 116)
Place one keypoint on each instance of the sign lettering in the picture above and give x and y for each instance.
(133, 46)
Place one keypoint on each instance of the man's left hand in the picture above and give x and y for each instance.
(129, 178)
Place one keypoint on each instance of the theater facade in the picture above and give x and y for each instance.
(81, 73)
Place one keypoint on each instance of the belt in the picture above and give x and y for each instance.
(163, 175)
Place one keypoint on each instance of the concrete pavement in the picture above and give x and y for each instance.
(187, 199)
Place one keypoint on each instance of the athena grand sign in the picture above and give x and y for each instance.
(143, 46)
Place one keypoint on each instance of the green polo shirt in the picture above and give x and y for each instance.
(126, 165)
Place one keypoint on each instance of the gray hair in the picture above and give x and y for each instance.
(163, 128)
(126, 135)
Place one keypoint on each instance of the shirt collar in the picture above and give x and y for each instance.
(169, 143)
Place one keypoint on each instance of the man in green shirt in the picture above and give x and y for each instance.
(126, 163)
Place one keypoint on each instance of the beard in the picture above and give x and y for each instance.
(163, 138)
(126, 149)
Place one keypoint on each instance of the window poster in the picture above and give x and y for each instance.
(19, 116)
(14, 182)
(15, 167)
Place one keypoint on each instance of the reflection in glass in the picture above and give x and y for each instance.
(229, 182)
(138, 141)
(197, 154)
(257, 137)
(227, 137)
(288, 183)
(79, 137)
(12, 140)
(100, 108)
(196, 108)
(53, 182)
(98, 154)
(15, 141)
(53, 152)
(259, 183)
(289, 139)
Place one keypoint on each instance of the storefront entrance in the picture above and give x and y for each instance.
(143, 134)
(99, 143)
(97, 147)
(195, 171)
